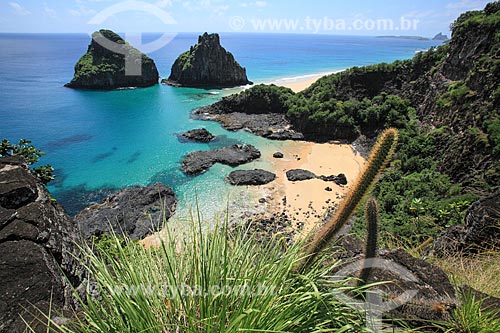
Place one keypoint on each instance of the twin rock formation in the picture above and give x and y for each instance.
(111, 63)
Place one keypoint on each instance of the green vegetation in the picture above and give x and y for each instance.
(31, 154)
(471, 317)
(213, 281)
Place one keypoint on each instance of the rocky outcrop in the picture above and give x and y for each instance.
(134, 212)
(207, 65)
(111, 63)
(37, 249)
(197, 162)
(250, 177)
(301, 175)
(260, 110)
(441, 37)
(198, 135)
(432, 297)
(480, 231)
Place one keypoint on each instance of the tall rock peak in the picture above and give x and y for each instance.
(207, 65)
(104, 66)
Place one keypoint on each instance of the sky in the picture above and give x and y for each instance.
(341, 17)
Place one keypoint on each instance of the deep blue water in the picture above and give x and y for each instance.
(103, 141)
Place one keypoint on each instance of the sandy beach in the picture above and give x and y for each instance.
(300, 83)
(308, 202)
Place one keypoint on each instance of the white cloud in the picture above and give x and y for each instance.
(18, 9)
(217, 7)
(254, 4)
(49, 11)
(81, 10)
(467, 4)
(164, 3)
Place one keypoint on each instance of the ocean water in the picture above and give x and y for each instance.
(99, 142)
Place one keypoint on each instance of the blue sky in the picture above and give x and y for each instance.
(357, 17)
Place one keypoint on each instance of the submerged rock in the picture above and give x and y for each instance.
(198, 135)
(38, 248)
(134, 212)
(207, 64)
(197, 162)
(250, 177)
(104, 66)
(278, 155)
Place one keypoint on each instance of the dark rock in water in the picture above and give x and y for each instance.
(480, 231)
(278, 155)
(328, 189)
(299, 175)
(111, 63)
(134, 212)
(207, 65)
(250, 177)
(37, 249)
(198, 135)
(197, 162)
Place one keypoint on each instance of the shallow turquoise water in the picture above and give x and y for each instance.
(103, 141)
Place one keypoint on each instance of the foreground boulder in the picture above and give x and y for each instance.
(197, 162)
(207, 65)
(480, 231)
(103, 67)
(134, 212)
(198, 135)
(37, 249)
(250, 177)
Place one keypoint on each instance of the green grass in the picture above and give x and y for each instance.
(215, 281)
(471, 317)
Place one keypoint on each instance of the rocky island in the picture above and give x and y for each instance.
(104, 66)
(207, 65)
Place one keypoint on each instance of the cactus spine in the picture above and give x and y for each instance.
(379, 157)
(372, 219)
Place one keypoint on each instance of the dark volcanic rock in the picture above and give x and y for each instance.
(104, 65)
(207, 64)
(135, 212)
(299, 175)
(278, 155)
(260, 110)
(250, 177)
(480, 231)
(440, 36)
(433, 298)
(197, 162)
(37, 246)
(198, 135)
(339, 180)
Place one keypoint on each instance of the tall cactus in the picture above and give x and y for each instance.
(379, 157)
(372, 218)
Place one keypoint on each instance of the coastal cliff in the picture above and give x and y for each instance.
(450, 92)
(207, 65)
(104, 66)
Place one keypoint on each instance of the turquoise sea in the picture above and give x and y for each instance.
(99, 142)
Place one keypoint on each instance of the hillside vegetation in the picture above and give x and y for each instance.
(444, 101)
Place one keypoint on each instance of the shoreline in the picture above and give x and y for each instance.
(301, 82)
(306, 203)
